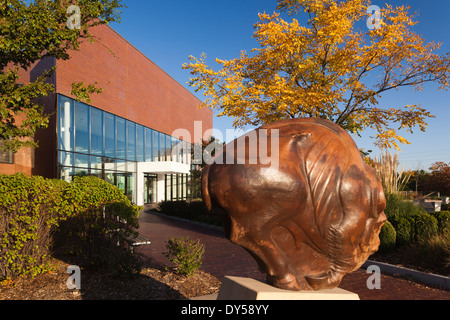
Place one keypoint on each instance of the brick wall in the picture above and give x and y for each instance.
(26, 158)
(134, 87)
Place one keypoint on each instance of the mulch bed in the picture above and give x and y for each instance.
(153, 283)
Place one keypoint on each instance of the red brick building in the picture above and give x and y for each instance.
(124, 135)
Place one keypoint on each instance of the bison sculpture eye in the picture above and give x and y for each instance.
(310, 216)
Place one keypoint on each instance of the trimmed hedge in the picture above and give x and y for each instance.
(404, 226)
(39, 217)
(425, 226)
(412, 223)
(395, 206)
(100, 218)
(191, 210)
(388, 237)
(443, 219)
(416, 227)
(30, 208)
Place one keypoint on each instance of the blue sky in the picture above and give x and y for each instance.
(169, 31)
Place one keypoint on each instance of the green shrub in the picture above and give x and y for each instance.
(30, 208)
(404, 227)
(443, 219)
(425, 226)
(186, 254)
(101, 219)
(191, 210)
(40, 217)
(388, 237)
(395, 206)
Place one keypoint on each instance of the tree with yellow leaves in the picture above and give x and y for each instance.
(335, 67)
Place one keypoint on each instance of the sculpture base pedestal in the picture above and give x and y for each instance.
(235, 288)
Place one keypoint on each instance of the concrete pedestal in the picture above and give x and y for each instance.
(235, 288)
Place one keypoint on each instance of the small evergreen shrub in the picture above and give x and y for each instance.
(443, 219)
(404, 227)
(425, 226)
(186, 254)
(395, 206)
(388, 237)
(194, 210)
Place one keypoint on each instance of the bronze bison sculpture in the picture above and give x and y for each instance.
(310, 216)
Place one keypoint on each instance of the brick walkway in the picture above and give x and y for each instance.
(224, 258)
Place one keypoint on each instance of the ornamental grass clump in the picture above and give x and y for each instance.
(387, 170)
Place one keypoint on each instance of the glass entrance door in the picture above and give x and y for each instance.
(150, 182)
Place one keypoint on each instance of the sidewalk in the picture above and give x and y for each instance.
(224, 258)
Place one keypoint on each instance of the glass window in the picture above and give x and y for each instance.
(185, 177)
(110, 135)
(121, 138)
(81, 128)
(66, 173)
(98, 173)
(109, 163)
(168, 148)
(96, 163)
(177, 150)
(82, 160)
(175, 187)
(110, 177)
(66, 159)
(129, 186)
(187, 153)
(189, 186)
(96, 131)
(140, 139)
(148, 145)
(168, 187)
(99, 143)
(120, 181)
(155, 146)
(131, 182)
(162, 147)
(81, 172)
(65, 115)
(131, 141)
(181, 150)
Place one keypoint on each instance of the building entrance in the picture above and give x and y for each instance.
(150, 188)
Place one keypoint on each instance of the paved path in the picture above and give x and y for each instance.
(224, 258)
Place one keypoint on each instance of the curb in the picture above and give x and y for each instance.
(420, 277)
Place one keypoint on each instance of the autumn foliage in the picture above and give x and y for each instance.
(333, 66)
(439, 180)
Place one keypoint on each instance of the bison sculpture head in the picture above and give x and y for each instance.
(310, 216)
